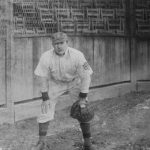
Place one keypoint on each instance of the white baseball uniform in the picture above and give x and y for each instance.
(69, 72)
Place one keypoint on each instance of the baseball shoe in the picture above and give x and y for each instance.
(90, 147)
(41, 145)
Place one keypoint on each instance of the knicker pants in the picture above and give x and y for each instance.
(56, 90)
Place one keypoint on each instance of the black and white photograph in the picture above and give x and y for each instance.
(75, 74)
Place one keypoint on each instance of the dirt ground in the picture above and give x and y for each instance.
(120, 123)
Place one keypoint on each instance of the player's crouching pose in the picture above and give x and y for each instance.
(62, 69)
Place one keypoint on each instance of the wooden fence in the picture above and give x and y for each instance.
(114, 61)
(109, 58)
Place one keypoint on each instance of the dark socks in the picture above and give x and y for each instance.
(85, 127)
(43, 127)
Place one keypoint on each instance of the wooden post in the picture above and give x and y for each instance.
(133, 57)
(9, 110)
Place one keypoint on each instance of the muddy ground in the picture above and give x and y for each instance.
(120, 123)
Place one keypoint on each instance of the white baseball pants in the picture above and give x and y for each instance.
(56, 89)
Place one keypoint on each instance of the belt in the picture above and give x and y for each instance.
(64, 81)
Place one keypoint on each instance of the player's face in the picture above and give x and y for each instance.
(60, 47)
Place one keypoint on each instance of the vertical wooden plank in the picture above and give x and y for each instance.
(123, 58)
(111, 63)
(146, 60)
(3, 37)
(22, 68)
(7, 113)
(143, 61)
(133, 45)
(119, 61)
(127, 60)
(9, 47)
(133, 60)
(2, 71)
(148, 56)
(36, 44)
(99, 61)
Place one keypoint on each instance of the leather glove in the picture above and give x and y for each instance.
(82, 111)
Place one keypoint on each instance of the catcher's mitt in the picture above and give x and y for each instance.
(82, 114)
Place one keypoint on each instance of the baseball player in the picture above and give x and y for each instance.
(62, 69)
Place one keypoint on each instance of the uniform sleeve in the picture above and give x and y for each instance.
(85, 71)
(42, 69)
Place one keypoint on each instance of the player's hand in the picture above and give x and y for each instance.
(45, 106)
(82, 110)
(83, 102)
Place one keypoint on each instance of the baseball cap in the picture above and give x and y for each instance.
(59, 37)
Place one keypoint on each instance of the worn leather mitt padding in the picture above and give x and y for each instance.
(82, 114)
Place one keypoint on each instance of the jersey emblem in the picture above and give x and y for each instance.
(86, 66)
